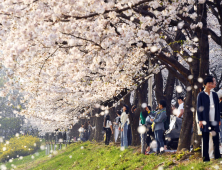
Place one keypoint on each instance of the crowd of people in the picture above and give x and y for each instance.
(148, 118)
(156, 122)
(85, 131)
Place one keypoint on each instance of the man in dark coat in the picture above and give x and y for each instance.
(208, 111)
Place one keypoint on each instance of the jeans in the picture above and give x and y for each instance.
(124, 141)
(108, 134)
(89, 132)
(82, 136)
(86, 135)
(220, 131)
(129, 135)
(159, 139)
(116, 133)
(83, 139)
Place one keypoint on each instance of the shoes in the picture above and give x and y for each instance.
(151, 152)
(161, 152)
(157, 153)
(148, 152)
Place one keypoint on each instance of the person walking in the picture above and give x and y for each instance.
(89, 129)
(86, 131)
(208, 112)
(123, 127)
(116, 125)
(108, 128)
(158, 126)
(143, 116)
(82, 133)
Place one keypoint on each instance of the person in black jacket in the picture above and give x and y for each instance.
(219, 93)
(208, 112)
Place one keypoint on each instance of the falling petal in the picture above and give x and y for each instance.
(141, 129)
(179, 89)
(144, 105)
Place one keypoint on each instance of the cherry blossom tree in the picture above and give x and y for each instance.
(65, 56)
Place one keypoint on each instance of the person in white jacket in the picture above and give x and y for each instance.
(124, 127)
(116, 125)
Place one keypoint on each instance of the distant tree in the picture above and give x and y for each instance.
(10, 126)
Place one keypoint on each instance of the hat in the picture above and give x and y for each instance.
(219, 93)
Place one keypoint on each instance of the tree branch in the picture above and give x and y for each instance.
(175, 64)
(107, 11)
(84, 39)
(175, 73)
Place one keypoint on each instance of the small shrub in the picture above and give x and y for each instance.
(192, 157)
(22, 146)
(179, 156)
(170, 163)
(197, 149)
(173, 156)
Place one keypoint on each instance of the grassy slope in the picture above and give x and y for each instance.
(97, 156)
(26, 159)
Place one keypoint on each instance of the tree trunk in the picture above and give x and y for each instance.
(92, 122)
(141, 97)
(185, 133)
(112, 113)
(196, 138)
(168, 93)
(159, 87)
(99, 129)
(203, 69)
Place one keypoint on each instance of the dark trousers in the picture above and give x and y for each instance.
(108, 135)
(89, 132)
(205, 136)
(159, 139)
(129, 135)
(86, 135)
(164, 140)
(150, 136)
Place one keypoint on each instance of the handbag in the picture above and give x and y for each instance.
(153, 126)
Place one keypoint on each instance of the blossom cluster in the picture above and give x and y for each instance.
(65, 56)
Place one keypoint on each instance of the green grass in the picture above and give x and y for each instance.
(26, 159)
(87, 156)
